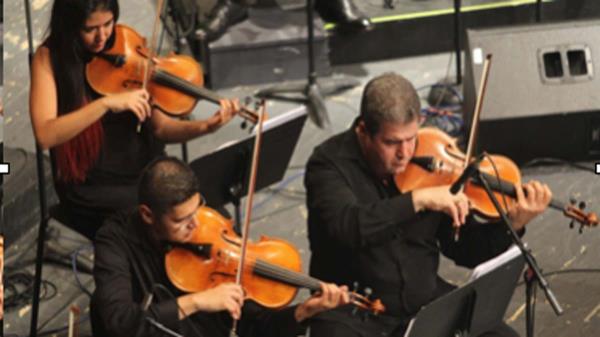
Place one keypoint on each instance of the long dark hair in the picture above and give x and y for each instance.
(68, 57)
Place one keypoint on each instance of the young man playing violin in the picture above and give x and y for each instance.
(362, 229)
(130, 265)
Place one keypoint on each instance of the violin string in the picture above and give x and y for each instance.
(287, 275)
(278, 273)
(274, 271)
(305, 281)
(298, 278)
(193, 90)
(294, 278)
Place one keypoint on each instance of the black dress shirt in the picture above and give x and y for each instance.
(129, 263)
(362, 229)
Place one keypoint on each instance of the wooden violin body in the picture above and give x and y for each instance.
(271, 274)
(448, 166)
(438, 161)
(122, 68)
(192, 273)
(175, 82)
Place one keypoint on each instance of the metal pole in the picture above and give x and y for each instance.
(538, 11)
(43, 202)
(310, 24)
(457, 5)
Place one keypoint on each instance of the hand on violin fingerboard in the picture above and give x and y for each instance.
(331, 296)
(228, 109)
(532, 199)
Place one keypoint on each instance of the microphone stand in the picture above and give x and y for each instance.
(439, 97)
(533, 272)
(44, 217)
(311, 91)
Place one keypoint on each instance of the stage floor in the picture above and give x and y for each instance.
(570, 257)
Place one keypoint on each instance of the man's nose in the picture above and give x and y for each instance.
(403, 150)
(193, 224)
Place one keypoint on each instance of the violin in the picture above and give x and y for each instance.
(175, 82)
(438, 161)
(271, 272)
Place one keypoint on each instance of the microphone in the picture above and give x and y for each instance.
(469, 171)
(146, 301)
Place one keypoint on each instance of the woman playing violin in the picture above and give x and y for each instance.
(96, 148)
(129, 265)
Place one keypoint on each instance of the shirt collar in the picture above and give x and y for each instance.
(350, 147)
(140, 232)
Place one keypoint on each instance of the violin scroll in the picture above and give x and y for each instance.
(577, 214)
(376, 307)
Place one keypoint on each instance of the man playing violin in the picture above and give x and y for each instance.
(96, 151)
(362, 229)
(130, 264)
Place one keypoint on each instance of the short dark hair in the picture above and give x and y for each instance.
(388, 98)
(166, 182)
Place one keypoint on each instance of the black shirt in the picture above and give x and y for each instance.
(129, 262)
(362, 229)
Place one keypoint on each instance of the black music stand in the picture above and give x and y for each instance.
(223, 174)
(477, 307)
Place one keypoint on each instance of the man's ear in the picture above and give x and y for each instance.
(361, 128)
(146, 214)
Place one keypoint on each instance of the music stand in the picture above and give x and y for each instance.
(224, 173)
(477, 307)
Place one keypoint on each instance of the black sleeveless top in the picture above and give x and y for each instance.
(111, 184)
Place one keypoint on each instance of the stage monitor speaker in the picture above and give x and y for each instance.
(543, 94)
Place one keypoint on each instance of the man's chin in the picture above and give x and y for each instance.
(398, 169)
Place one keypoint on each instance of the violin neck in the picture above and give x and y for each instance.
(505, 187)
(280, 274)
(188, 88)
